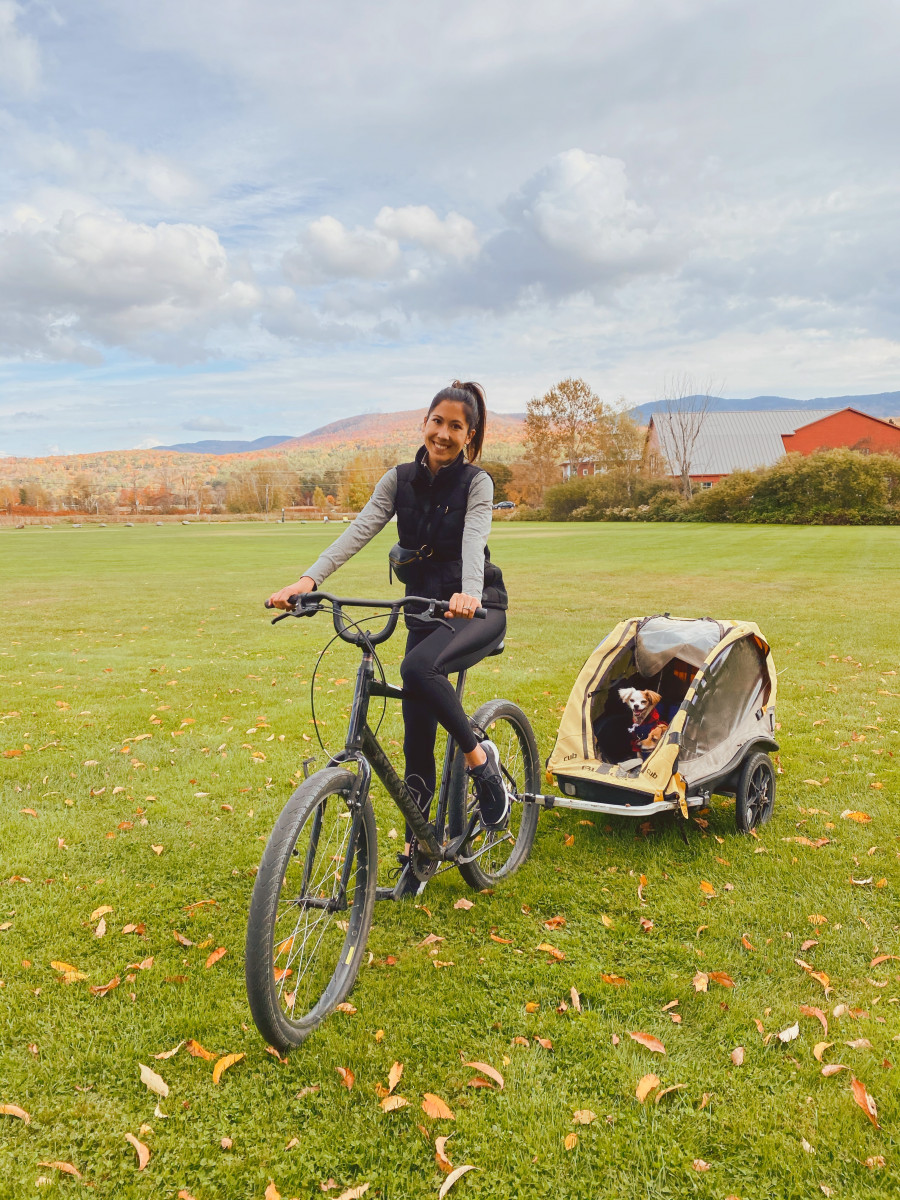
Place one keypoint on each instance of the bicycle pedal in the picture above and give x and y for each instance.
(451, 849)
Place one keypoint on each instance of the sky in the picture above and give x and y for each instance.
(234, 219)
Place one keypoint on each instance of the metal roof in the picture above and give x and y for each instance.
(736, 441)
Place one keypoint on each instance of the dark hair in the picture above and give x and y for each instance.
(471, 397)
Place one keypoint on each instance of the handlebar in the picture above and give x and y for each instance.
(307, 604)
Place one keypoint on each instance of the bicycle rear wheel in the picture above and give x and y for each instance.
(502, 851)
(311, 909)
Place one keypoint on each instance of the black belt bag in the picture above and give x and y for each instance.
(402, 562)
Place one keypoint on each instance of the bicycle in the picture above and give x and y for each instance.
(302, 956)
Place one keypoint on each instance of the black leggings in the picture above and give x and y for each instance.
(432, 653)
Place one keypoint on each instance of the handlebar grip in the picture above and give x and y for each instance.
(480, 613)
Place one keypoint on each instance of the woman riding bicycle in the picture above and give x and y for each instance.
(442, 501)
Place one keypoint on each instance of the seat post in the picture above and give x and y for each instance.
(460, 683)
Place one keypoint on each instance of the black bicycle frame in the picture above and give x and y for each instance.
(363, 747)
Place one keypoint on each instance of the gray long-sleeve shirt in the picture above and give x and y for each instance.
(381, 508)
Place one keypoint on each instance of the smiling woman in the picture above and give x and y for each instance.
(442, 502)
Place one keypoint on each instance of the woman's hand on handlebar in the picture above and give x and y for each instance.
(462, 605)
(301, 587)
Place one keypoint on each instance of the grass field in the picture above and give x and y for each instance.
(113, 634)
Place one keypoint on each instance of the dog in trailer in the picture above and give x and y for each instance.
(647, 727)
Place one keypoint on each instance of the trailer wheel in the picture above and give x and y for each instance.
(755, 794)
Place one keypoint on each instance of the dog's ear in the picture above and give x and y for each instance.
(623, 694)
(653, 697)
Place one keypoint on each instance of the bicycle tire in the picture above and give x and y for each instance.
(307, 849)
(502, 852)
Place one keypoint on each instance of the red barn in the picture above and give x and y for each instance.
(851, 428)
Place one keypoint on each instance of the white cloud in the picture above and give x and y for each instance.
(454, 237)
(20, 67)
(97, 279)
(328, 250)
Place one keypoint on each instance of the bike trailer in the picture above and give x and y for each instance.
(716, 680)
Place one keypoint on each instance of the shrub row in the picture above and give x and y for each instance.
(832, 487)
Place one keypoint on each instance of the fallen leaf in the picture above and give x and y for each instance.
(309, 1090)
(552, 951)
(873, 1162)
(228, 1060)
(347, 1077)
(13, 1110)
(521, 1041)
(490, 1071)
(833, 1068)
(532, 1006)
(95, 916)
(576, 999)
(142, 1151)
(67, 1168)
(806, 1146)
(569, 839)
(545, 1042)
(102, 989)
(440, 1156)
(157, 849)
(272, 1192)
(615, 980)
(880, 958)
(737, 1056)
(864, 1100)
(817, 919)
(431, 939)
(584, 1116)
(861, 818)
(676, 1087)
(859, 1044)
(570, 1141)
(649, 1042)
(501, 941)
(379, 1035)
(789, 1034)
(392, 1103)
(555, 923)
(226, 1143)
(701, 982)
(819, 1049)
(646, 1084)
(197, 1051)
(699, 1165)
(721, 978)
(169, 1053)
(707, 888)
(463, 903)
(344, 1007)
(448, 1183)
(153, 1081)
(181, 939)
(434, 1107)
(607, 921)
(215, 956)
(807, 1010)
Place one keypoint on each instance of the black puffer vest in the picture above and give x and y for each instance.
(431, 511)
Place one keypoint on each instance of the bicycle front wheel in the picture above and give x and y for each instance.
(311, 909)
(502, 851)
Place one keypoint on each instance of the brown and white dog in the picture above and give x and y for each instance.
(647, 726)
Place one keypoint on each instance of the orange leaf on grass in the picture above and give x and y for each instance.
(440, 1156)
(488, 1070)
(169, 1053)
(142, 1151)
(576, 999)
(737, 1056)
(394, 1076)
(864, 1100)
(555, 923)
(272, 1192)
(676, 1087)
(197, 1051)
(181, 939)
(721, 979)
(648, 1041)
(819, 1049)
(532, 1006)
(67, 1168)
(215, 956)
(501, 941)
(701, 982)
(646, 1084)
(545, 1042)
(615, 980)
(13, 1110)
(223, 1064)
(552, 951)
(833, 1069)
(155, 1083)
(583, 1116)
(699, 1165)
(570, 1141)
(880, 958)
(436, 1108)
(569, 839)
(861, 818)
(344, 1007)
(707, 888)
(392, 1103)
(103, 988)
(807, 1010)
(347, 1077)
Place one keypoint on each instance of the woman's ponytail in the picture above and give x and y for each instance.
(471, 396)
